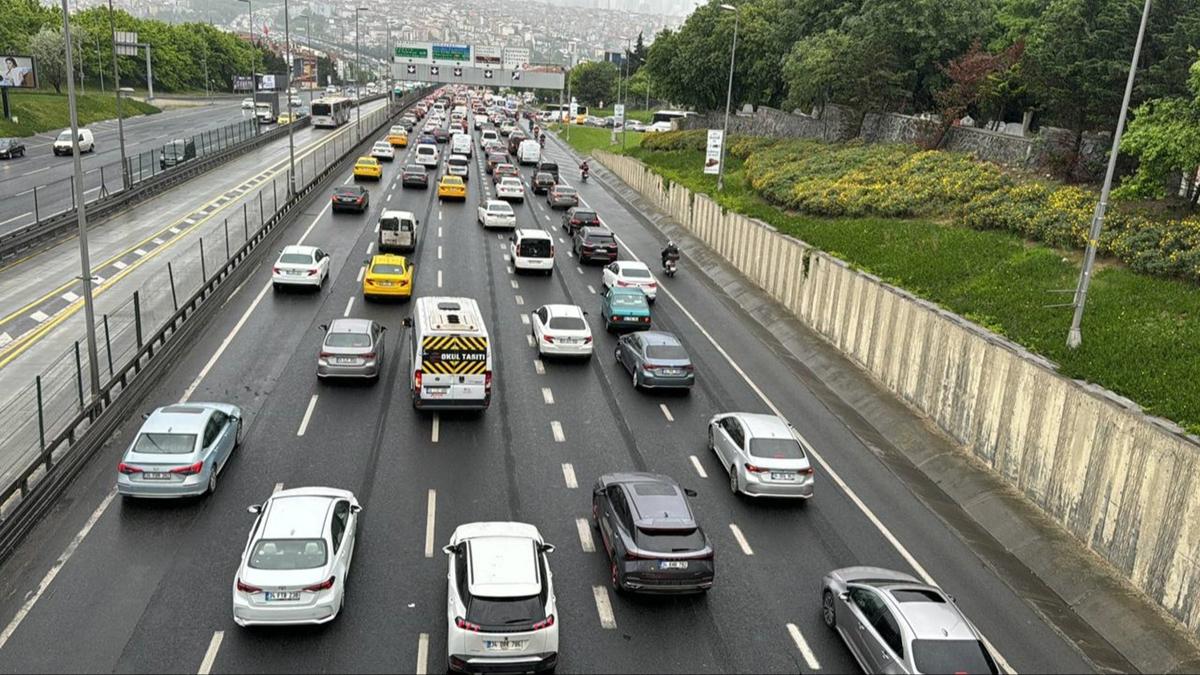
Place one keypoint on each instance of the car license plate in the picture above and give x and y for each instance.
(569, 341)
(504, 645)
(672, 564)
(782, 475)
(156, 475)
(671, 371)
(385, 283)
(279, 596)
(436, 392)
(345, 360)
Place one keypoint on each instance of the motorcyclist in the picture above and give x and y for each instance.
(542, 139)
(584, 169)
(671, 252)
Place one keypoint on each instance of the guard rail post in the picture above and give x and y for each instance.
(79, 374)
(171, 277)
(137, 318)
(37, 380)
(108, 347)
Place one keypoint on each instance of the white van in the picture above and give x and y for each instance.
(398, 231)
(457, 165)
(460, 144)
(488, 135)
(529, 152)
(427, 155)
(532, 250)
(450, 362)
(63, 145)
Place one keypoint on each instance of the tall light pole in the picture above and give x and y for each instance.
(612, 136)
(287, 43)
(81, 215)
(624, 71)
(358, 75)
(253, 56)
(1075, 337)
(112, 27)
(728, 97)
(308, 41)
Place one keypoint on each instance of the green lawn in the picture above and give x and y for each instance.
(46, 111)
(586, 139)
(1140, 333)
(639, 115)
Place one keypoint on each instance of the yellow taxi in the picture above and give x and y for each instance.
(452, 187)
(368, 167)
(388, 276)
(284, 118)
(398, 137)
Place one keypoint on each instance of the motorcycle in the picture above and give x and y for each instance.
(670, 265)
(583, 176)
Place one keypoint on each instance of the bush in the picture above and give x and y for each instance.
(669, 141)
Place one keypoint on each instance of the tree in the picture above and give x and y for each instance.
(594, 81)
(834, 67)
(636, 58)
(973, 77)
(49, 52)
(21, 20)
(1164, 135)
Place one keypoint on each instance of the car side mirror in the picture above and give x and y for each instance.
(547, 548)
(844, 595)
(408, 322)
(145, 415)
(254, 508)
(355, 508)
(324, 327)
(689, 492)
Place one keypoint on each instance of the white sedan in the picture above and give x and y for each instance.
(561, 330)
(300, 266)
(382, 150)
(630, 274)
(764, 455)
(510, 189)
(297, 558)
(247, 103)
(495, 213)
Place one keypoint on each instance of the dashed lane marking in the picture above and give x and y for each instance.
(604, 608)
(39, 316)
(539, 367)
(557, 430)
(666, 412)
(214, 645)
(312, 403)
(698, 466)
(430, 517)
(349, 306)
(802, 645)
(585, 535)
(547, 396)
(439, 278)
(70, 296)
(422, 654)
(519, 299)
(525, 319)
(437, 423)
(569, 475)
(741, 539)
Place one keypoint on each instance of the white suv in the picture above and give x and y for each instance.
(532, 249)
(500, 610)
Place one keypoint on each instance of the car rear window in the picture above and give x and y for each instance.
(666, 352)
(776, 448)
(426, 150)
(387, 269)
(534, 248)
(505, 612)
(586, 216)
(348, 192)
(296, 259)
(288, 554)
(458, 161)
(629, 300)
(952, 656)
(562, 190)
(635, 273)
(347, 340)
(602, 239)
(165, 444)
(567, 323)
(669, 541)
(415, 168)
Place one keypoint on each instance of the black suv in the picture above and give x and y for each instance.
(351, 198)
(653, 542)
(578, 217)
(595, 243)
(542, 182)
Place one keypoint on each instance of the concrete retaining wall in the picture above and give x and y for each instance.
(1121, 482)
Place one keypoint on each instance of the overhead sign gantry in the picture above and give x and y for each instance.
(475, 65)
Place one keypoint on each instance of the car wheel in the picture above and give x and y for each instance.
(828, 611)
(616, 577)
(733, 479)
(711, 444)
(636, 384)
(212, 481)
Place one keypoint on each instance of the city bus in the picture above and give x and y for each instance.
(669, 115)
(331, 111)
(561, 112)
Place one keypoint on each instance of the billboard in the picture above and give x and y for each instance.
(487, 56)
(452, 54)
(515, 58)
(243, 83)
(413, 52)
(17, 71)
(712, 154)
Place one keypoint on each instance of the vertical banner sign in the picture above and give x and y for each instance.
(619, 116)
(712, 157)
(574, 109)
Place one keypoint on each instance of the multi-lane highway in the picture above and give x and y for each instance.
(107, 585)
(51, 173)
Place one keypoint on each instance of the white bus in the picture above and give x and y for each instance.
(668, 115)
(331, 111)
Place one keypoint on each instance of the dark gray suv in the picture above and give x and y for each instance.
(653, 542)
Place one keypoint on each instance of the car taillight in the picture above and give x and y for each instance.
(805, 472)
(276, 270)
(652, 285)
(417, 382)
(128, 469)
(755, 469)
(333, 198)
(547, 338)
(487, 380)
(466, 625)
(323, 586)
(587, 340)
(548, 622)
(623, 284)
(189, 470)
(247, 588)
(689, 367)
(312, 273)
(369, 356)
(325, 355)
(403, 283)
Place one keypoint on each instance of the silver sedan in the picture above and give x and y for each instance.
(353, 348)
(764, 455)
(180, 450)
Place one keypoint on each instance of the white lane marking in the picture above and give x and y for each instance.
(439, 278)
(569, 475)
(32, 599)
(698, 466)
(278, 487)
(833, 475)
(5, 338)
(439, 252)
(211, 655)
(439, 214)
(515, 284)
(70, 296)
(189, 221)
(313, 224)
(437, 424)
(525, 319)
(547, 396)
(430, 517)
(666, 412)
(348, 179)
(561, 240)
(157, 242)
(187, 393)
(376, 227)
(422, 654)
(27, 213)
(349, 305)
(120, 265)
(361, 271)
(591, 289)
(802, 645)
(312, 403)
(173, 230)
(585, 535)
(510, 269)
(577, 268)
(604, 608)
(741, 539)
(539, 367)
(370, 248)
(520, 300)
(388, 198)
(529, 339)
(39, 316)
(557, 430)
(439, 230)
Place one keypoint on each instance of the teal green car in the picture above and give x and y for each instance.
(624, 309)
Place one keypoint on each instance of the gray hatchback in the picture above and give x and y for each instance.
(353, 348)
(180, 450)
(655, 360)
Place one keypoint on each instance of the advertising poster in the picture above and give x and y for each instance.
(17, 71)
(619, 116)
(712, 156)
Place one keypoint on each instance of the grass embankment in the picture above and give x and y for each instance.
(639, 115)
(43, 111)
(1141, 336)
(586, 139)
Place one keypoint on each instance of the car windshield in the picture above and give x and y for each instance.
(670, 541)
(165, 444)
(504, 611)
(635, 273)
(567, 323)
(288, 554)
(952, 656)
(586, 216)
(296, 259)
(347, 340)
(387, 268)
(629, 300)
(666, 353)
(776, 448)
(66, 136)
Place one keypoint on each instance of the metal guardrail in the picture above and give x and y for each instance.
(35, 488)
(62, 224)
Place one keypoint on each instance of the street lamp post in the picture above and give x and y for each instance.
(112, 26)
(253, 57)
(1075, 336)
(625, 71)
(728, 97)
(358, 75)
(81, 216)
(308, 41)
(287, 42)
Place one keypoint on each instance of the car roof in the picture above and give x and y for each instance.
(350, 326)
(657, 337)
(929, 613)
(764, 426)
(388, 259)
(296, 516)
(396, 213)
(182, 419)
(295, 248)
(657, 500)
(533, 233)
(632, 264)
(564, 310)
